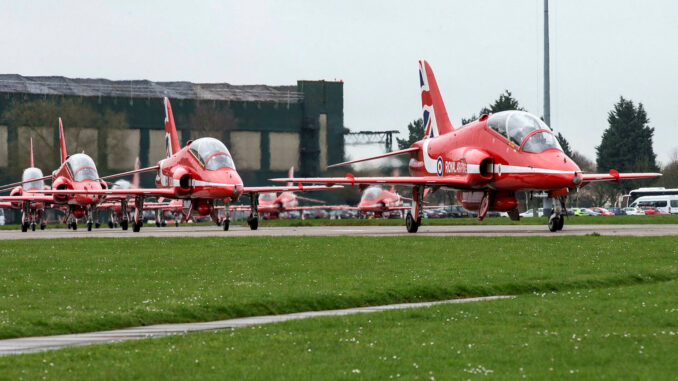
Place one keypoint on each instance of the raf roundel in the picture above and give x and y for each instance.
(439, 165)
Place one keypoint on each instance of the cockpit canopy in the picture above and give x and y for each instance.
(122, 184)
(32, 173)
(520, 128)
(269, 196)
(371, 193)
(82, 167)
(211, 153)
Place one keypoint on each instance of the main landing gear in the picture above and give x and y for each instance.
(414, 216)
(253, 219)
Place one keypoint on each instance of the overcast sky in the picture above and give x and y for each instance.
(599, 51)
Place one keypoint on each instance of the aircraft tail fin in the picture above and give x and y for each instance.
(436, 120)
(290, 175)
(62, 142)
(171, 137)
(32, 163)
(135, 178)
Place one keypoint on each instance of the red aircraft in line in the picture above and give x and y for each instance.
(487, 161)
(23, 197)
(273, 203)
(202, 172)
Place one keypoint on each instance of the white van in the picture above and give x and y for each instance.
(666, 204)
(2, 216)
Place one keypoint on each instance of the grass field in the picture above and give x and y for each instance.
(583, 220)
(605, 333)
(77, 285)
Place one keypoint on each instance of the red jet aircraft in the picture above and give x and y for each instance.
(73, 185)
(23, 196)
(274, 203)
(202, 172)
(487, 161)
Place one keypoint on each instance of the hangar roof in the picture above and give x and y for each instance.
(94, 87)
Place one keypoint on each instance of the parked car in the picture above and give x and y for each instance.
(601, 211)
(530, 213)
(592, 212)
(652, 211)
(634, 211)
(617, 211)
(579, 212)
(457, 211)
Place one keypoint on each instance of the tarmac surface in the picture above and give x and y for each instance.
(46, 343)
(427, 230)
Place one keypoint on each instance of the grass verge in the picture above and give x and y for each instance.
(79, 285)
(608, 333)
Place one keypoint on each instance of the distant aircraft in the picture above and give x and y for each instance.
(73, 185)
(487, 161)
(23, 197)
(202, 172)
(272, 204)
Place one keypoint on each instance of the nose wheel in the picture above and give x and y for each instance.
(557, 218)
(411, 224)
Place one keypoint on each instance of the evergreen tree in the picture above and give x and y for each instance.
(416, 131)
(564, 144)
(505, 102)
(627, 144)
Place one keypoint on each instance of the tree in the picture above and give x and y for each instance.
(670, 172)
(505, 102)
(564, 144)
(626, 145)
(416, 131)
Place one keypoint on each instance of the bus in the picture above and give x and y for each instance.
(641, 192)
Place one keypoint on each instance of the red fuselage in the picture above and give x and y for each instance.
(184, 173)
(270, 203)
(375, 199)
(485, 159)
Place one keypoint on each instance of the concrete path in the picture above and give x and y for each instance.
(427, 230)
(46, 343)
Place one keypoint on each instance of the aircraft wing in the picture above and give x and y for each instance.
(5, 204)
(37, 198)
(615, 176)
(299, 187)
(157, 192)
(449, 181)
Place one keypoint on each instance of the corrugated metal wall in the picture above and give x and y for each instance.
(264, 137)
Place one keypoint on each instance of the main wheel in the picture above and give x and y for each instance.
(163, 223)
(226, 224)
(561, 223)
(110, 224)
(253, 223)
(411, 224)
(554, 222)
(24, 227)
(97, 225)
(33, 226)
(89, 226)
(74, 225)
(136, 227)
(124, 224)
(157, 224)
(43, 226)
(176, 223)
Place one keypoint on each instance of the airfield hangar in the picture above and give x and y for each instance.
(268, 129)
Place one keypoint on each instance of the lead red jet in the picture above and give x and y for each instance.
(487, 161)
(201, 173)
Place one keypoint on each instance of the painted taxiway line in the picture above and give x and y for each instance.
(46, 343)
